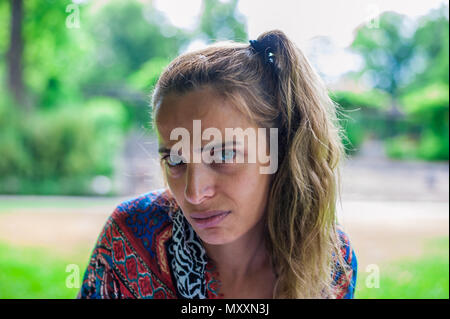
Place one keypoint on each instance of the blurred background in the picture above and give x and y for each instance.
(75, 138)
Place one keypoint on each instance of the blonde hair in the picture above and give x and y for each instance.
(301, 237)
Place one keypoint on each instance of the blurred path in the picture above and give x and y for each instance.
(45, 221)
(381, 231)
(372, 176)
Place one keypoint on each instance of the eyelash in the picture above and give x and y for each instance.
(166, 158)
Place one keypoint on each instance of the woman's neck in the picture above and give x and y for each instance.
(242, 257)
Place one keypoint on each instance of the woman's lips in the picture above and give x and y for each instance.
(209, 219)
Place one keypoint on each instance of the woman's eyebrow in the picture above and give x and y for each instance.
(163, 150)
(222, 145)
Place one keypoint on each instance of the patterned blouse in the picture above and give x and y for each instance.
(147, 249)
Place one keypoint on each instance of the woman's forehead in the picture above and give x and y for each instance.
(211, 109)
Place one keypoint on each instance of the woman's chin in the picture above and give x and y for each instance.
(214, 236)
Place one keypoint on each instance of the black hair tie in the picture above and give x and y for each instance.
(265, 50)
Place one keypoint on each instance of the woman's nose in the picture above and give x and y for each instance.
(199, 183)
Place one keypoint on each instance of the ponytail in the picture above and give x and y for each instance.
(301, 228)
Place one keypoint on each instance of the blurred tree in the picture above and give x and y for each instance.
(432, 49)
(15, 80)
(411, 64)
(62, 62)
(88, 76)
(134, 41)
(220, 20)
(5, 17)
(52, 56)
(387, 52)
(129, 34)
(409, 61)
(400, 56)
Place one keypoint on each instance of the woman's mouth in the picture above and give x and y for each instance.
(209, 219)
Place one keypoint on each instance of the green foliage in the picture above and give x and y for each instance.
(54, 58)
(431, 101)
(425, 277)
(429, 108)
(133, 40)
(386, 51)
(375, 99)
(432, 49)
(401, 147)
(131, 33)
(411, 65)
(14, 157)
(114, 41)
(4, 29)
(433, 146)
(353, 132)
(359, 115)
(221, 21)
(59, 151)
(85, 86)
(107, 118)
(148, 74)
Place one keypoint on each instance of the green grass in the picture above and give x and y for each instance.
(425, 277)
(30, 273)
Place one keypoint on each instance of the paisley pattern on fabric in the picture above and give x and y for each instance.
(188, 259)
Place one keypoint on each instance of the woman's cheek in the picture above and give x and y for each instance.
(176, 185)
(174, 172)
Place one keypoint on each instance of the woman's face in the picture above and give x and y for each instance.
(222, 201)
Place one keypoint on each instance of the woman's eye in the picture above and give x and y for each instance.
(173, 160)
(226, 155)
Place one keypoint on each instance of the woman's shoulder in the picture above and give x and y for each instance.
(346, 247)
(143, 219)
(345, 282)
(129, 258)
(151, 209)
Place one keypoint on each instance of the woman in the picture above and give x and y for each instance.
(223, 227)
